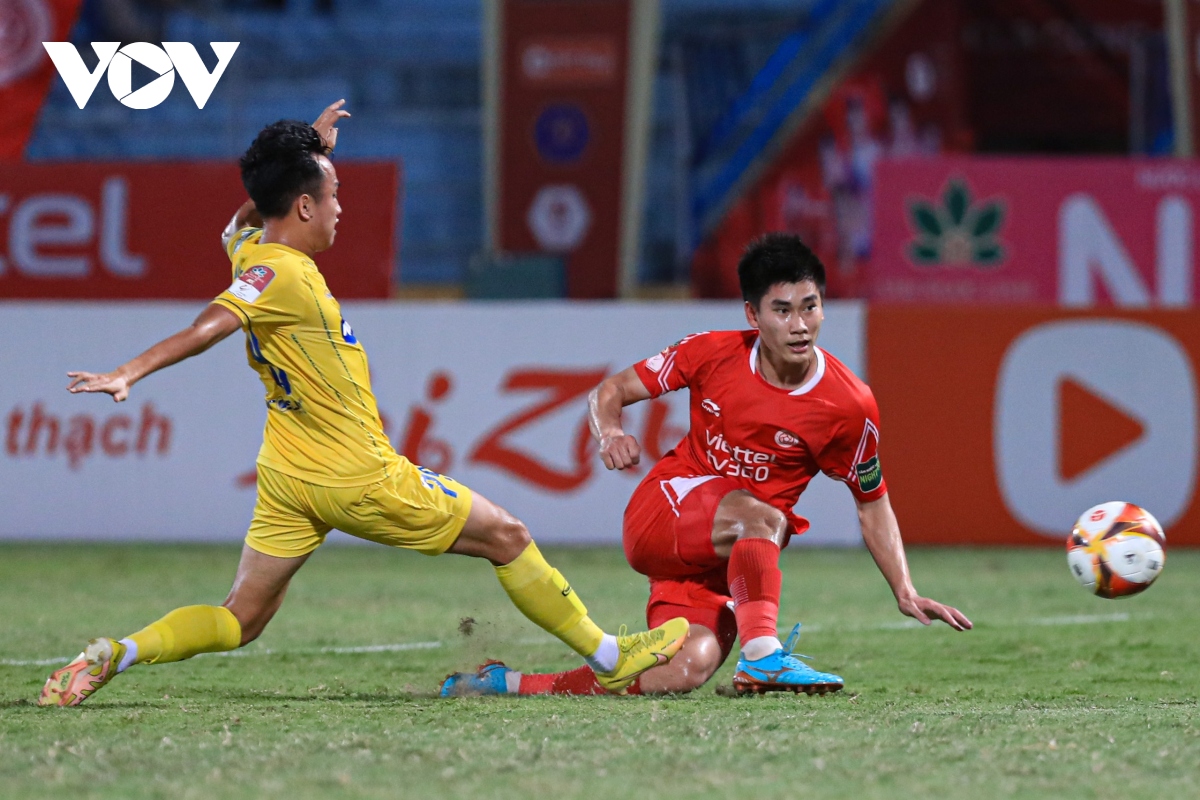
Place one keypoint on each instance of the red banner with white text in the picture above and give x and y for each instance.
(134, 231)
(25, 69)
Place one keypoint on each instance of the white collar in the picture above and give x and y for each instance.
(810, 384)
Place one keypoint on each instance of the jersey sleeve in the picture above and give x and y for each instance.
(261, 295)
(673, 368)
(852, 455)
(238, 239)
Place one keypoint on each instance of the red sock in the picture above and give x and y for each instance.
(755, 582)
(576, 681)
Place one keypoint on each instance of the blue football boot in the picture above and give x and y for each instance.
(492, 678)
(783, 671)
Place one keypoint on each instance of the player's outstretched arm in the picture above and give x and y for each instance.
(881, 532)
(618, 450)
(214, 324)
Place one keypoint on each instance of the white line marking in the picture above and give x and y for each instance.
(369, 648)
(897, 625)
(383, 648)
(1080, 619)
(903, 624)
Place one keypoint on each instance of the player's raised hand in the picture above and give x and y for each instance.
(110, 383)
(326, 123)
(620, 451)
(924, 610)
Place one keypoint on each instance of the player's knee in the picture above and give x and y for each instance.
(508, 538)
(742, 516)
(692, 667)
(763, 521)
(700, 663)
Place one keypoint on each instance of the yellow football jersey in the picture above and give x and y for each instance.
(323, 423)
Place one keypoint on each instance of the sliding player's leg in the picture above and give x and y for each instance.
(280, 539)
(691, 667)
(711, 634)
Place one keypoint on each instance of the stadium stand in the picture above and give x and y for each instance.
(417, 97)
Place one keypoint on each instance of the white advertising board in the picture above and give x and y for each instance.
(492, 394)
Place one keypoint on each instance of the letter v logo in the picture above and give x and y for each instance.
(74, 72)
(196, 77)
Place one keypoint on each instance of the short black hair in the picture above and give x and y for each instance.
(777, 258)
(281, 165)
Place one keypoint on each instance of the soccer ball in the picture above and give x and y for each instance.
(1116, 549)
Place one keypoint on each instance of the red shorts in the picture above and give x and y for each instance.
(668, 538)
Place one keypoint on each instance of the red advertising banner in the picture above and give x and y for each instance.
(25, 69)
(1073, 232)
(133, 231)
(1001, 426)
(561, 129)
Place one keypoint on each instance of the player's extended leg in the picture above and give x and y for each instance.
(258, 590)
(700, 657)
(750, 534)
(544, 596)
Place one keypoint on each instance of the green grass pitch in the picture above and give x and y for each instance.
(1054, 694)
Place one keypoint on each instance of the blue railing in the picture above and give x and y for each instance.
(722, 158)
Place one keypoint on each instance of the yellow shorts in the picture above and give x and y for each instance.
(414, 508)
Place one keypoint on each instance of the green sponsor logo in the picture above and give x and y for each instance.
(869, 474)
(958, 232)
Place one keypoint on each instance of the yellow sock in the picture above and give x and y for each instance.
(543, 595)
(186, 632)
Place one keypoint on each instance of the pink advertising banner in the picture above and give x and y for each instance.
(1071, 232)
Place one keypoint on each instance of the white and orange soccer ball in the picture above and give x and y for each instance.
(1116, 549)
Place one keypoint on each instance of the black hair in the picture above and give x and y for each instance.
(777, 258)
(281, 165)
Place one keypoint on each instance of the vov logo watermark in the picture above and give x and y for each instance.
(165, 61)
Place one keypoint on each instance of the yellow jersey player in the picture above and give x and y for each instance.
(325, 461)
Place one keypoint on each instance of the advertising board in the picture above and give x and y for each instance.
(153, 231)
(1000, 427)
(486, 393)
(1078, 233)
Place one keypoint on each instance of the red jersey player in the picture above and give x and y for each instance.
(769, 410)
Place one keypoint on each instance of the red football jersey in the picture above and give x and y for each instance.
(771, 440)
